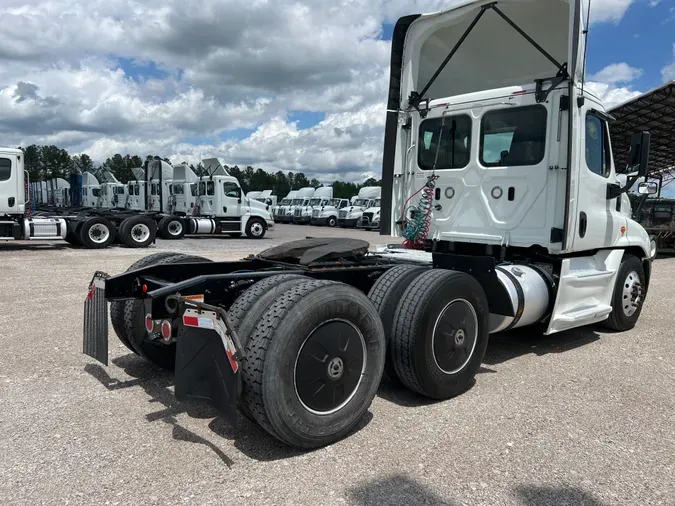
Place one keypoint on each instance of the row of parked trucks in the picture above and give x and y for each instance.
(316, 206)
(162, 200)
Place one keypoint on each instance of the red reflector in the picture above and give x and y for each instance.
(191, 321)
(144, 288)
(166, 329)
(90, 295)
(519, 92)
(233, 362)
(149, 324)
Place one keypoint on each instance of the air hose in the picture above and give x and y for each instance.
(416, 227)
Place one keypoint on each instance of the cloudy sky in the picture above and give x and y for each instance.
(282, 85)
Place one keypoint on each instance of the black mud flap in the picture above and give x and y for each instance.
(95, 333)
(205, 368)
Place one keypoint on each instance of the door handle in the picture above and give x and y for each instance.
(583, 223)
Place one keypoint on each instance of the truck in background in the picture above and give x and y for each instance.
(328, 213)
(303, 214)
(370, 219)
(349, 216)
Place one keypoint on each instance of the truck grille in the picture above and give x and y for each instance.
(342, 214)
(298, 212)
(315, 213)
(367, 217)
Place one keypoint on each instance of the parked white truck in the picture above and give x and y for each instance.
(328, 213)
(321, 197)
(497, 167)
(370, 219)
(301, 199)
(349, 216)
(282, 208)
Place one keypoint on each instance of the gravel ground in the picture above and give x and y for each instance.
(584, 417)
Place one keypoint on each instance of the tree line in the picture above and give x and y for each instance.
(48, 162)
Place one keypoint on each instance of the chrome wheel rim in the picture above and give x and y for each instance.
(99, 233)
(256, 229)
(175, 227)
(632, 294)
(140, 232)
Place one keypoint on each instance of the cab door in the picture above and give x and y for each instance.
(598, 219)
(232, 194)
(10, 197)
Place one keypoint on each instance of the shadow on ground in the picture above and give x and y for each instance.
(402, 490)
(248, 437)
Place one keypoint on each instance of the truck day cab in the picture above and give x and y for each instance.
(349, 216)
(497, 165)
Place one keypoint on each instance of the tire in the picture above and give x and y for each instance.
(385, 295)
(423, 303)
(96, 232)
(250, 307)
(276, 350)
(172, 227)
(631, 276)
(161, 355)
(255, 228)
(332, 221)
(252, 297)
(139, 231)
(117, 307)
(72, 237)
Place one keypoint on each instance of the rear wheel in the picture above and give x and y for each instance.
(117, 306)
(440, 333)
(252, 304)
(96, 232)
(385, 294)
(139, 231)
(316, 334)
(160, 354)
(629, 295)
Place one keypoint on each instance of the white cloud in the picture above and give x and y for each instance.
(224, 65)
(668, 72)
(611, 95)
(617, 73)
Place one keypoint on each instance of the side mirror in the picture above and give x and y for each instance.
(638, 156)
(649, 188)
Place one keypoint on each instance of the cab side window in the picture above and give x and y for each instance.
(598, 155)
(231, 189)
(5, 169)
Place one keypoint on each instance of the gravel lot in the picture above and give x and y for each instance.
(584, 417)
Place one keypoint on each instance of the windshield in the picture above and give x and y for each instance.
(315, 202)
(285, 201)
(360, 202)
(376, 203)
(178, 189)
(296, 202)
(333, 202)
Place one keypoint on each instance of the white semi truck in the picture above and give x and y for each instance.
(301, 199)
(279, 211)
(497, 169)
(349, 216)
(328, 214)
(370, 219)
(321, 197)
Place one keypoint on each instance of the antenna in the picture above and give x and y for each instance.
(588, 23)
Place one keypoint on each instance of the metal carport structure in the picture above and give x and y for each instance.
(653, 111)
